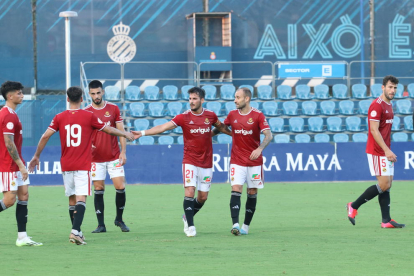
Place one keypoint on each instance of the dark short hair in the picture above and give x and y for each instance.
(10, 86)
(74, 94)
(197, 90)
(390, 78)
(246, 91)
(95, 84)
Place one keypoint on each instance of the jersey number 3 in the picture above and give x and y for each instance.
(73, 135)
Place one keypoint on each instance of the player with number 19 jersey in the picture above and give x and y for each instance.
(76, 127)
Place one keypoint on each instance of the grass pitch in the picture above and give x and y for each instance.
(298, 229)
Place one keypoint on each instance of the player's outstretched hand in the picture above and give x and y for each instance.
(129, 136)
(33, 163)
(255, 154)
(122, 158)
(137, 134)
(24, 173)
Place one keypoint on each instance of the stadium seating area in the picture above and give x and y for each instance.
(299, 114)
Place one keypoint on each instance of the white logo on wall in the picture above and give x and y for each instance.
(121, 48)
(326, 70)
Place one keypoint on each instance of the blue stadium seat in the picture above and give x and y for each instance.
(215, 107)
(224, 139)
(315, 124)
(363, 106)
(404, 107)
(255, 105)
(353, 123)
(359, 91)
(328, 108)
(303, 92)
(322, 138)
(137, 110)
(410, 89)
(396, 124)
(400, 137)
(399, 94)
(290, 108)
(277, 125)
(141, 124)
(281, 138)
(296, 124)
(334, 124)
(180, 140)
(321, 91)
(158, 122)
(174, 108)
(178, 130)
(211, 92)
(229, 107)
(360, 137)
(227, 92)
(302, 138)
(264, 92)
(165, 140)
(156, 109)
(132, 93)
(184, 91)
(151, 93)
(146, 140)
(408, 123)
(340, 91)
(341, 138)
(346, 107)
(284, 92)
(251, 88)
(112, 93)
(270, 108)
(376, 90)
(170, 92)
(309, 108)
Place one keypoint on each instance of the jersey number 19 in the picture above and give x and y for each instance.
(73, 132)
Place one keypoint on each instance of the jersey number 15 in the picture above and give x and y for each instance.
(73, 132)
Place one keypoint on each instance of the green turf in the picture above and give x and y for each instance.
(298, 229)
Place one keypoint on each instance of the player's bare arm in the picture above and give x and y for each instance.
(122, 141)
(268, 138)
(155, 130)
(42, 144)
(374, 129)
(219, 127)
(14, 154)
(116, 132)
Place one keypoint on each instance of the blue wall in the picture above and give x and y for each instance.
(284, 163)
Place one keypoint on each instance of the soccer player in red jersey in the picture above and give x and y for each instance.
(380, 157)
(246, 162)
(106, 156)
(198, 153)
(14, 178)
(76, 128)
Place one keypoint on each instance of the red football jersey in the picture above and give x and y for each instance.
(381, 112)
(10, 124)
(198, 147)
(246, 129)
(76, 127)
(105, 147)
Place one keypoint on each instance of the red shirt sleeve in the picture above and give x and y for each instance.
(97, 123)
(9, 124)
(227, 120)
(118, 117)
(54, 124)
(375, 112)
(215, 121)
(178, 120)
(263, 122)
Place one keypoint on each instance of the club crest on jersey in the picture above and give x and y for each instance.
(107, 114)
(250, 121)
(93, 174)
(13, 183)
(206, 121)
(232, 178)
(188, 180)
(384, 169)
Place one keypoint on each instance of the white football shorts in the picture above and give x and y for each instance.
(197, 177)
(77, 183)
(379, 165)
(114, 168)
(253, 176)
(9, 181)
